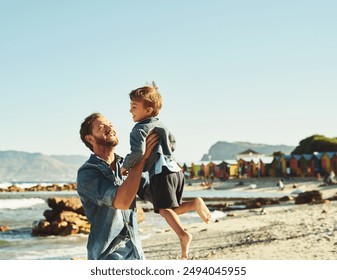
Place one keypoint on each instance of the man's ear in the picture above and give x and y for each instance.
(89, 138)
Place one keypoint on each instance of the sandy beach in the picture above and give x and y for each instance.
(287, 231)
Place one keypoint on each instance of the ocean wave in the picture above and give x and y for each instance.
(20, 203)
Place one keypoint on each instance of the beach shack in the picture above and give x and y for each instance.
(186, 169)
(203, 172)
(231, 166)
(279, 166)
(326, 162)
(286, 163)
(244, 167)
(294, 165)
(318, 163)
(306, 165)
(333, 163)
(254, 167)
(195, 170)
(214, 169)
(265, 166)
(248, 161)
(221, 172)
(275, 167)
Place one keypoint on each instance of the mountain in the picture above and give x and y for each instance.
(36, 167)
(228, 150)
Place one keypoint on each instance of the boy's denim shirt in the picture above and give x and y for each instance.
(166, 144)
(97, 185)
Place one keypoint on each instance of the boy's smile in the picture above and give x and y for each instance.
(138, 111)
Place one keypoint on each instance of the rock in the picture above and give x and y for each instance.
(334, 197)
(258, 202)
(66, 217)
(40, 188)
(14, 188)
(4, 228)
(308, 197)
(70, 204)
(286, 198)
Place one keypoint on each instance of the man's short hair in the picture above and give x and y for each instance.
(86, 128)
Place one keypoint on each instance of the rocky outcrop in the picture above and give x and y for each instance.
(66, 217)
(40, 188)
(334, 197)
(309, 197)
(4, 228)
(258, 202)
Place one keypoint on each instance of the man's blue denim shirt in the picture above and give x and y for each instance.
(113, 232)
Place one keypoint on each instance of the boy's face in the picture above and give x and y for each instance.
(138, 111)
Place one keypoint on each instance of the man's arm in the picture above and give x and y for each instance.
(128, 189)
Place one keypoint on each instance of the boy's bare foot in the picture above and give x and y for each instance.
(185, 242)
(202, 210)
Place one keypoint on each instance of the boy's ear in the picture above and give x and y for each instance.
(149, 110)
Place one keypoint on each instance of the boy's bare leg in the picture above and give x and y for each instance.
(197, 205)
(174, 222)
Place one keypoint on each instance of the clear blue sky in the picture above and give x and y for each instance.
(257, 71)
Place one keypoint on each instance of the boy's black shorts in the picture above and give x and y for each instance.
(165, 190)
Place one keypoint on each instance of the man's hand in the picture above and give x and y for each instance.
(151, 142)
(124, 171)
(128, 189)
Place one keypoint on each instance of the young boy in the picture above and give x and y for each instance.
(166, 184)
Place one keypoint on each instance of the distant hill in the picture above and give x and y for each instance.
(228, 150)
(36, 167)
(316, 143)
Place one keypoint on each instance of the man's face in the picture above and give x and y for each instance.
(103, 133)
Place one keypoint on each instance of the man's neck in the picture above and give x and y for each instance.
(106, 153)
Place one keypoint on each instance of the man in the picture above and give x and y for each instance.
(108, 201)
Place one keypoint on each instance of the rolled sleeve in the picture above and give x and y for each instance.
(108, 197)
(92, 186)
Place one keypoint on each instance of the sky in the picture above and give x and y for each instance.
(261, 71)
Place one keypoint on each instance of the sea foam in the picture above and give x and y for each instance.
(20, 203)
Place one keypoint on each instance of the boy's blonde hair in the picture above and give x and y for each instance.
(150, 96)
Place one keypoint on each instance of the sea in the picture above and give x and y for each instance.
(20, 210)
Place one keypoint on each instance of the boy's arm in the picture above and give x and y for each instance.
(128, 189)
(137, 146)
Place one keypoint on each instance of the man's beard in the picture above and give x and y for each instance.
(106, 143)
